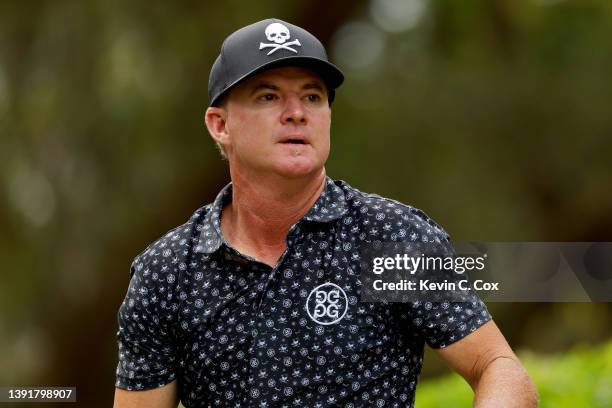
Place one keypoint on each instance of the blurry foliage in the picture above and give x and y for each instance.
(490, 115)
(580, 378)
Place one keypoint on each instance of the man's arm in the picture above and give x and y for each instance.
(486, 361)
(163, 397)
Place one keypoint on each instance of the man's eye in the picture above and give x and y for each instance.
(267, 97)
(313, 98)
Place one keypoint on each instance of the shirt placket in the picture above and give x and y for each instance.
(290, 241)
(251, 320)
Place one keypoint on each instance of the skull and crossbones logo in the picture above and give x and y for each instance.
(278, 33)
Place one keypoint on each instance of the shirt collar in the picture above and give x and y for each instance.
(330, 206)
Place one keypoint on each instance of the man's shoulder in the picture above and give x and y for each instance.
(387, 213)
(176, 244)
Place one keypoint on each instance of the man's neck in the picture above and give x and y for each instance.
(263, 209)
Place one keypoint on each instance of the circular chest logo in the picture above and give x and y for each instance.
(327, 304)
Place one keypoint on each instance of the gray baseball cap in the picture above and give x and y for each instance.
(269, 44)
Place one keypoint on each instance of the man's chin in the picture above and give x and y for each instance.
(298, 167)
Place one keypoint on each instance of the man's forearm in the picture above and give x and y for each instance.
(505, 383)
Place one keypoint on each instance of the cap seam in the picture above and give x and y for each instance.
(225, 73)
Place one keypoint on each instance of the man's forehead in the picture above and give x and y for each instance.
(294, 75)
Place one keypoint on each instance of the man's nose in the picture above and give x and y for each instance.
(294, 111)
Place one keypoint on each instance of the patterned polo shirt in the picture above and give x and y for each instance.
(235, 332)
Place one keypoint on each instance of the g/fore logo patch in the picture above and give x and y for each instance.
(327, 304)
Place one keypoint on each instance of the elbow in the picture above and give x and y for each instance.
(531, 392)
(505, 379)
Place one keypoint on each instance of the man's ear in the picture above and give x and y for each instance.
(216, 122)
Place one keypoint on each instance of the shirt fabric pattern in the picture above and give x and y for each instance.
(235, 332)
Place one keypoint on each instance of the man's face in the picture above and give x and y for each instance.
(278, 121)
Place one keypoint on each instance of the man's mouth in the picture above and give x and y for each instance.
(294, 141)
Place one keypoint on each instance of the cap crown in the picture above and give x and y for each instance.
(267, 44)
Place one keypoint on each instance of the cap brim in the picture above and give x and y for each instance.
(329, 73)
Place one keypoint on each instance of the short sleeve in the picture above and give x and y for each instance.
(146, 317)
(442, 323)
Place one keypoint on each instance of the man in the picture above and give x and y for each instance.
(255, 300)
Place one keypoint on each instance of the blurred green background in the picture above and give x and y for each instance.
(493, 116)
